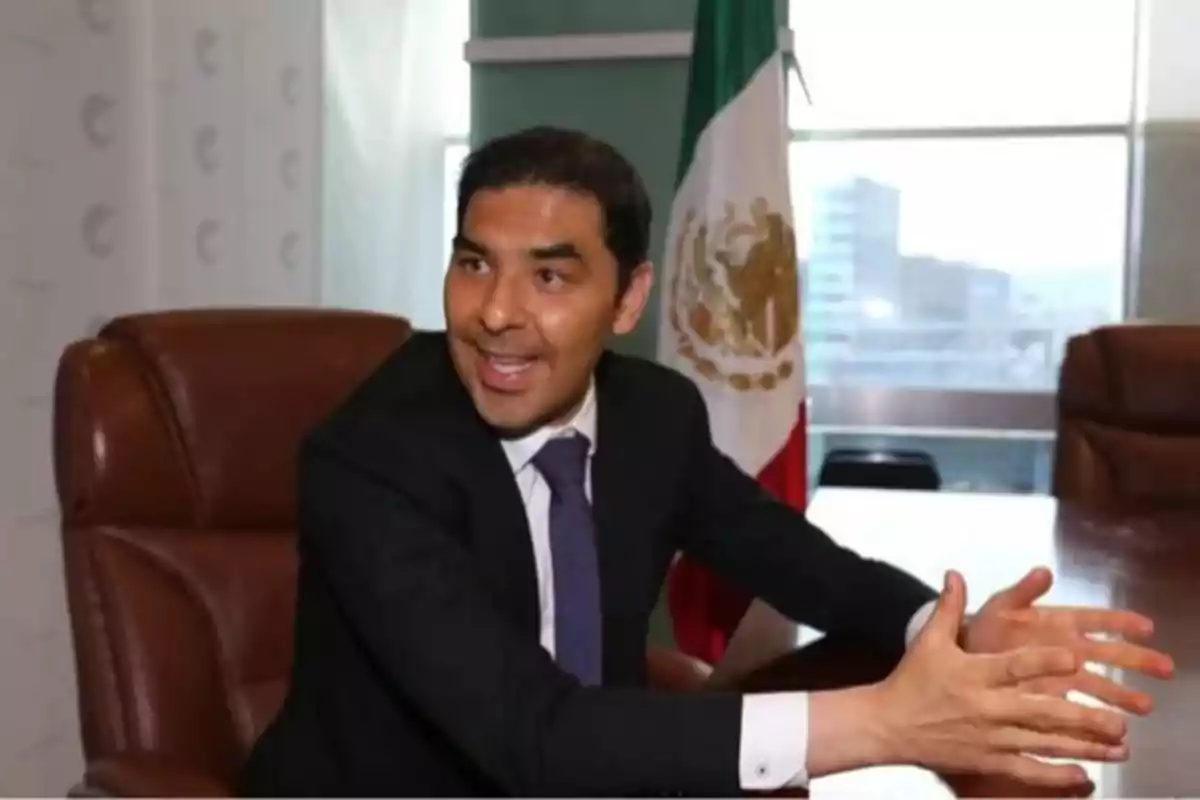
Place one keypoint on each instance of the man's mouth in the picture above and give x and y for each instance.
(509, 365)
(505, 372)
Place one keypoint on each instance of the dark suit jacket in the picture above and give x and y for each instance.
(417, 664)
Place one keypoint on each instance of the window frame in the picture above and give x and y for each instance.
(448, 143)
(905, 411)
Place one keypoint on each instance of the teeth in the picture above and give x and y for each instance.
(509, 366)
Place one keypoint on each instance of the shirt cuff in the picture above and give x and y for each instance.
(917, 622)
(774, 744)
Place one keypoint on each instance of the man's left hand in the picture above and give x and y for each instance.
(1009, 620)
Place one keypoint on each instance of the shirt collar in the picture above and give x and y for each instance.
(521, 451)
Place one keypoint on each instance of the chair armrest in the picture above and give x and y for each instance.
(147, 775)
(674, 671)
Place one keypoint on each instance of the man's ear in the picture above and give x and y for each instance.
(632, 303)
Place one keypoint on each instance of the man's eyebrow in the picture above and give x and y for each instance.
(556, 252)
(463, 243)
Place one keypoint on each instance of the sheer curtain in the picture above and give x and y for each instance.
(396, 90)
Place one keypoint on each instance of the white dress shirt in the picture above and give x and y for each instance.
(774, 741)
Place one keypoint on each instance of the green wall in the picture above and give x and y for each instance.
(494, 18)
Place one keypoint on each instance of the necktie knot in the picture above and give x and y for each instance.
(563, 462)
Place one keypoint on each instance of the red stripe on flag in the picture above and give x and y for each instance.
(786, 476)
(706, 608)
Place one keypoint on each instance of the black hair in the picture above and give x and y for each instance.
(573, 160)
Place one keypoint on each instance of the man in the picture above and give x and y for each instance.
(485, 525)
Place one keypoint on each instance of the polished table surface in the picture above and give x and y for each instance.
(1146, 561)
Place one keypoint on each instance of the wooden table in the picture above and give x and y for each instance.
(1149, 562)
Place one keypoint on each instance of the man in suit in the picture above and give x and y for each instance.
(485, 525)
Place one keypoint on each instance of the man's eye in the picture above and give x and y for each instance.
(471, 264)
(550, 278)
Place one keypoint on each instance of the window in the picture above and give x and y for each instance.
(456, 153)
(963, 173)
(928, 64)
(459, 126)
(395, 86)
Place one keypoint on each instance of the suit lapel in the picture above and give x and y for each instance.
(502, 537)
(499, 526)
(621, 476)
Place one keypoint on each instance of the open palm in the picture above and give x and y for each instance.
(1009, 619)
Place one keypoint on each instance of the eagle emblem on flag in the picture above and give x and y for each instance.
(735, 295)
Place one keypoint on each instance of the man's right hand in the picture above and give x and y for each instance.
(961, 713)
(952, 711)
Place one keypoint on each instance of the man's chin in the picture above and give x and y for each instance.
(508, 428)
(513, 416)
(513, 431)
(507, 423)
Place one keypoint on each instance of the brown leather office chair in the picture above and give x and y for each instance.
(175, 440)
(1129, 417)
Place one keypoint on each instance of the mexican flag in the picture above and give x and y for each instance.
(730, 285)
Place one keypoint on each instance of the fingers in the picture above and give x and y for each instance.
(1056, 715)
(1000, 785)
(1028, 663)
(1029, 770)
(1129, 656)
(1027, 590)
(1057, 745)
(1119, 622)
(1112, 693)
(948, 614)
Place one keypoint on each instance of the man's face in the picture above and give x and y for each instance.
(530, 299)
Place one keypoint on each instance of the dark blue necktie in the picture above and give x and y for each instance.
(577, 634)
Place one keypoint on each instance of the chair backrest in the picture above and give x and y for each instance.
(880, 469)
(175, 437)
(1129, 417)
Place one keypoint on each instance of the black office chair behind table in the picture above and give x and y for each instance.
(880, 469)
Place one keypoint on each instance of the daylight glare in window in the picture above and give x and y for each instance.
(960, 182)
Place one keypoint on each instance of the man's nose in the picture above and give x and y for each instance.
(503, 307)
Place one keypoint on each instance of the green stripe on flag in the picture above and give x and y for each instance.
(732, 40)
